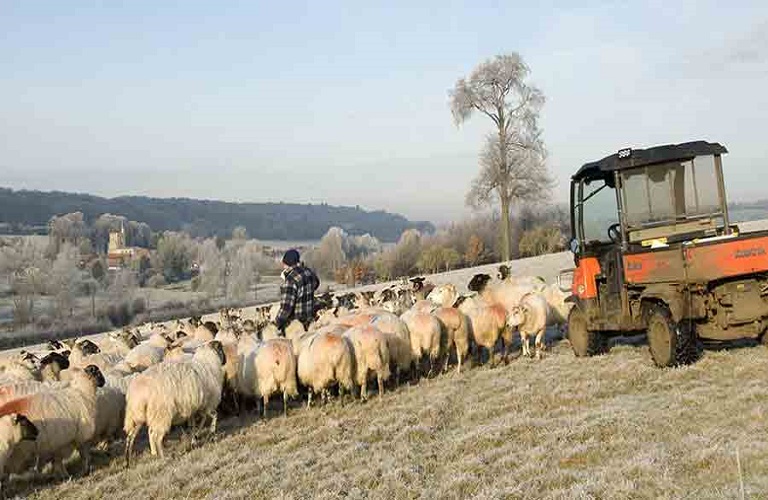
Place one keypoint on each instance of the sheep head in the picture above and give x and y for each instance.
(55, 358)
(216, 346)
(443, 295)
(95, 375)
(516, 316)
(27, 430)
(504, 272)
(478, 282)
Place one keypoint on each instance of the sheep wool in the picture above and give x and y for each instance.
(172, 394)
(267, 369)
(14, 429)
(65, 419)
(325, 358)
(371, 355)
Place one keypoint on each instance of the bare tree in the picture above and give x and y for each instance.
(67, 228)
(66, 280)
(521, 176)
(497, 88)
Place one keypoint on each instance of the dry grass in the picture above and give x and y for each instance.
(610, 427)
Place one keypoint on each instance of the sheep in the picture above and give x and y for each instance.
(51, 366)
(174, 354)
(146, 354)
(398, 339)
(426, 333)
(530, 318)
(324, 358)
(20, 369)
(270, 331)
(371, 354)
(506, 293)
(110, 409)
(104, 361)
(80, 349)
(266, 368)
(172, 394)
(14, 429)
(488, 323)
(119, 342)
(65, 418)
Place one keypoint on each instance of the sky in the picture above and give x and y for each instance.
(347, 102)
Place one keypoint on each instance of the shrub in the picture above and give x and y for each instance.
(541, 240)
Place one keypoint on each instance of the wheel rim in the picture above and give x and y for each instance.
(660, 342)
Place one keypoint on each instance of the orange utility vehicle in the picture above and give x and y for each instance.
(655, 251)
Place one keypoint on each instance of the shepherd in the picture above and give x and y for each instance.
(297, 292)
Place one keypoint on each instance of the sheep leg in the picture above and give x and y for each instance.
(285, 403)
(524, 344)
(309, 398)
(85, 455)
(539, 343)
(264, 404)
(381, 387)
(364, 389)
(214, 416)
(130, 439)
(152, 447)
(58, 466)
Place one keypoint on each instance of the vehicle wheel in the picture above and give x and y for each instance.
(670, 343)
(584, 342)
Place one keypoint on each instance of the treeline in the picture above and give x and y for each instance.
(29, 211)
(472, 242)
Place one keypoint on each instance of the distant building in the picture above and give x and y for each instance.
(118, 255)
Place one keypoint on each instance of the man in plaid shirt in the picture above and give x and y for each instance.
(297, 292)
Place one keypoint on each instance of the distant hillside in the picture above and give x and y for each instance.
(25, 211)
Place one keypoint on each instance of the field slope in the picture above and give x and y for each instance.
(607, 427)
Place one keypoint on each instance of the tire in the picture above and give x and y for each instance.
(670, 343)
(584, 342)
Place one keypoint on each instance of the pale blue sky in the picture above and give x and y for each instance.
(346, 102)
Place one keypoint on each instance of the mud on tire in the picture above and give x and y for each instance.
(584, 342)
(671, 343)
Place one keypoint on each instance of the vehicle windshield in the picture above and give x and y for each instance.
(598, 211)
(672, 191)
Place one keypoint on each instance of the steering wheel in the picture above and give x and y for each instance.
(614, 233)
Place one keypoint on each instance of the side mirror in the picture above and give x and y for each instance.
(574, 246)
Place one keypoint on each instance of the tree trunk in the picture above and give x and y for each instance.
(505, 236)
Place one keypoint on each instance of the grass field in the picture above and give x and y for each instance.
(609, 427)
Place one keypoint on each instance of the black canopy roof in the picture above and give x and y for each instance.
(649, 156)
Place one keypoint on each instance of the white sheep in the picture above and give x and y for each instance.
(119, 342)
(488, 324)
(266, 368)
(146, 354)
(51, 366)
(325, 358)
(174, 393)
(14, 429)
(530, 318)
(65, 418)
(371, 355)
(426, 333)
(20, 369)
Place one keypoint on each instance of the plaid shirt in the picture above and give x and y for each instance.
(297, 296)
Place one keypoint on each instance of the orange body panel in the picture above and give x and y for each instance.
(699, 263)
(584, 283)
(727, 259)
(665, 266)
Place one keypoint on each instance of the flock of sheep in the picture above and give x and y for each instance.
(80, 394)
